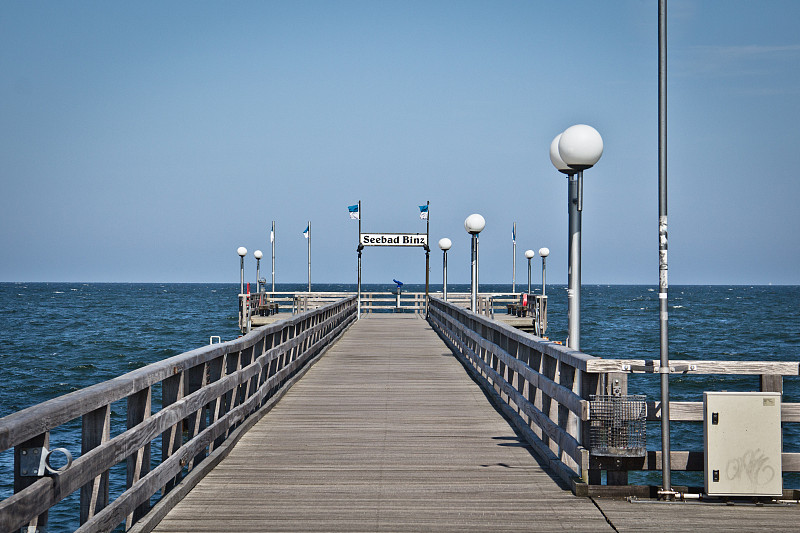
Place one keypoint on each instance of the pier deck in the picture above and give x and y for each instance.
(388, 433)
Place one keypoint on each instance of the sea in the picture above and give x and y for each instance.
(56, 338)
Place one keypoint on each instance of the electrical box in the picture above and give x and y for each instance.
(742, 433)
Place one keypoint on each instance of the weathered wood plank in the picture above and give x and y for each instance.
(383, 433)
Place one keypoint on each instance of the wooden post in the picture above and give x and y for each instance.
(138, 464)
(96, 430)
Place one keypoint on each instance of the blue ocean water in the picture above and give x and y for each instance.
(58, 337)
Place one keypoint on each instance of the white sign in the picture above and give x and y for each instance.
(394, 239)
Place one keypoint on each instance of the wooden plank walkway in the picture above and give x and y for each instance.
(387, 433)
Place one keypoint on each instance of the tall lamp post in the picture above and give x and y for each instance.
(258, 255)
(529, 254)
(445, 245)
(242, 251)
(543, 253)
(579, 147)
(474, 224)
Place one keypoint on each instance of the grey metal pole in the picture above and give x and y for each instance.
(662, 248)
(309, 256)
(574, 269)
(514, 260)
(360, 248)
(258, 275)
(544, 270)
(272, 238)
(529, 276)
(241, 275)
(444, 275)
(359, 280)
(473, 300)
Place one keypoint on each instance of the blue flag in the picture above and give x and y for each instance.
(353, 209)
(305, 232)
(423, 212)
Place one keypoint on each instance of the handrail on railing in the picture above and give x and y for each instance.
(208, 397)
(545, 390)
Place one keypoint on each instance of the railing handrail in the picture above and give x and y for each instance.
(208, 392)
(490, 347)
(52, 413)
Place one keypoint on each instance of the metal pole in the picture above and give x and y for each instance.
(544, 270)
(359, 281)
(272, 238)
(241, 275)
(360, 247)
(309, 256)
(514, 260)
(662, 248)
(258, 276)
(574, 269)
(444, 275)
(473, 299)
(529, 276)
(427, 252)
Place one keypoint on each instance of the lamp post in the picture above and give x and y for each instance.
(258, 255)
(474, 224)
(529, 254)
(242, 251)
(544, 252)
(579, 147)
(445, 245)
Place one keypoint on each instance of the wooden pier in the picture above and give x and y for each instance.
(322, 422)
(388, 433)
(385, 433)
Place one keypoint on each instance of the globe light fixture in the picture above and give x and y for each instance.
(242, 251)
(474, 224)
(258, 255)
(529, 254)
(543, 253)
(445, 245)
(579, 147)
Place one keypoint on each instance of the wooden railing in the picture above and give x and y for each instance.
(208, 397)
(380, 302)
(544, 389)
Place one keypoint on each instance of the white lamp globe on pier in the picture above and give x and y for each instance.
(529, 254)
(445, 245)
(242, 251)
(543, 253)
(474, 224)
(579, 147)
(258, 255)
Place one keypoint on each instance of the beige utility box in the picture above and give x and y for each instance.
(742, 443)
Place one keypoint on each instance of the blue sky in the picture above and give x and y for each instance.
(146, 141)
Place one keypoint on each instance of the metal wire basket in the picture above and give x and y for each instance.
(618, 425)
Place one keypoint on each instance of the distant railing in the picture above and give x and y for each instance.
(266, 303)
(208, 397)
(545, 390)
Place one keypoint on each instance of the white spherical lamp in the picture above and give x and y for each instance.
(544, 252)
(529, 254)
(242, 251)
(555, 157)
(257, 254)
(580, 146)
(474, 224)
(445, 244)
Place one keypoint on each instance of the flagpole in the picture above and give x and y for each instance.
(427, 250)
(309, 256)
(272, 238)
(514, 259)
(359, 248)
